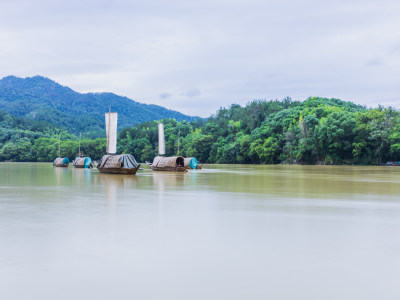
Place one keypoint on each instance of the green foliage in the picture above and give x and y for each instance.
(30, 140)
(317, 131)
(19, 150)
(39, 98)
(197, 145)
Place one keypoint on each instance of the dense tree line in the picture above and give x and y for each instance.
(29, 140)
(316, 131)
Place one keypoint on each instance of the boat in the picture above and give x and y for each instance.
(113, 163)
(82, 162)
(192, 163)
(61, 162)
(118, 164)
(163, 163)
(173, 163)
(392, 163)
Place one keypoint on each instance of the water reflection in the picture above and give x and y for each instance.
(168, 179)
(81, 176)
(242, 232)
(162, 182)
(117, 181)
(114, 184)
(307, 181)
(62, 176)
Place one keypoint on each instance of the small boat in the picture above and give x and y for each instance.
(163, 163)
(82, 162)
(113, 163)
(192, 163)
(392, 163)
(61, 162)
(118, 164)
(174, 164)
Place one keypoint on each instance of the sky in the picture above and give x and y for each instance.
(198, 56)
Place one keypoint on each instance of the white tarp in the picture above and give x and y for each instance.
(111, 132)
(161, 141)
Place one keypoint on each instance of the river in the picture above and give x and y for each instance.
(224, 232)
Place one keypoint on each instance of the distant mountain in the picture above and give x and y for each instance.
(40, 98)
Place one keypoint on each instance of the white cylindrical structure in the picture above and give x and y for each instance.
(111, 131)
(161, 140)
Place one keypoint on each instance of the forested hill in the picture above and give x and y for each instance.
(316, 131)
(42, 99)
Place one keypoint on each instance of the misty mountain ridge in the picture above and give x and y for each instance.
(43, 99)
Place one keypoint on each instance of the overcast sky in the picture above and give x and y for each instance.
(195, 56)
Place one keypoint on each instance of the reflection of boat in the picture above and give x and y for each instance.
(111, 163)
(82, 162)
(61, 174)
(115, 182)
(162, 163)
(165, 180)
(82, 177)
(192, 163)
(61, 162)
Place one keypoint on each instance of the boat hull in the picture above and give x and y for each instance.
(61, 166)
(82, 167)
(126, 171)
(168, 169)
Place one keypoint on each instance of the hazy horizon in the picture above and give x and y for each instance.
(195, 58)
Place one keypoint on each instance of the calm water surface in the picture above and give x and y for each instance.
(225, 232)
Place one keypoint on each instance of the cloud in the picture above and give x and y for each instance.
(375, 62)
(165, 95)
(231, 51)
(193, 93)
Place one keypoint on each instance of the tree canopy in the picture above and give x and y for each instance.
(316, 131)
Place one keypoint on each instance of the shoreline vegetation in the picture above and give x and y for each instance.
(318, 131)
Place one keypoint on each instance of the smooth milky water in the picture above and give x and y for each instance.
(225, 232)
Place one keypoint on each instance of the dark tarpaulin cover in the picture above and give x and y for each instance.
(128, 161)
